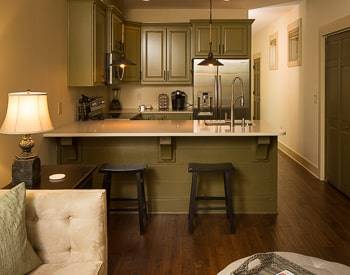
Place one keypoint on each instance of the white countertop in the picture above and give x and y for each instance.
(153, 111)
(159, 128)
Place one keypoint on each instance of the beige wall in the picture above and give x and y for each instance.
(290, 96)
(33, 54)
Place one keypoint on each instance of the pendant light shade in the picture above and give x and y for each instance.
(122, 61)
(210, 60)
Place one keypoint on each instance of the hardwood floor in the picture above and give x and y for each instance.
(313, 219)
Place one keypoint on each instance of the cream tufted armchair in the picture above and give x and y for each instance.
(68, 230)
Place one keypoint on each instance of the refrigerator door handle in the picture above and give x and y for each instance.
(216, 96)
(219, 97)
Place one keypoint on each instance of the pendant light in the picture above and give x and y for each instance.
(210, 60)
(122, 61)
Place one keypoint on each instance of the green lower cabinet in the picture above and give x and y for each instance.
(171, 116)
(178, 116)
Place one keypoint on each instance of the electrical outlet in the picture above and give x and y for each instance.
(59, 108)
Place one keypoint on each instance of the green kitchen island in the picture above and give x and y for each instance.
(167, 146)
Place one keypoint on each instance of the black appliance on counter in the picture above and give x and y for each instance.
(90, 107)
(178, 100)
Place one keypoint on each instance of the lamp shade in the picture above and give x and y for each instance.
(27, 113)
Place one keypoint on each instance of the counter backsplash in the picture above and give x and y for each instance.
(132, 96)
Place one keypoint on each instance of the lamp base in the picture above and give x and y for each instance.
(27, 171)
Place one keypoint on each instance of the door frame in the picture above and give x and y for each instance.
(255, 56)
(253, 94)
(337, 26)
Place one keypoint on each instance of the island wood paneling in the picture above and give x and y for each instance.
(168, 182)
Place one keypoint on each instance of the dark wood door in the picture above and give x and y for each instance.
(256, 92)
(338, 111)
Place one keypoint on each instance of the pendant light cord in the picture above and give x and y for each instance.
(210, 24)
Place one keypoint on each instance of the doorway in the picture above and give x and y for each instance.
(256, 91)
(337, 111)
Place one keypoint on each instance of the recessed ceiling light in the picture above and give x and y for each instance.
(146, 0)
(227, 0)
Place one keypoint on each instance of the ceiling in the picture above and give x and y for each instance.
(267, 15)
(197, 4)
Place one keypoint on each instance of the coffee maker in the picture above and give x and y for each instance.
(178, 100)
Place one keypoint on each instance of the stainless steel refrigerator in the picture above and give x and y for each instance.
(213, 89)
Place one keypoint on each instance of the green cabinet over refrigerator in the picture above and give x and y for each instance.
(230, 38)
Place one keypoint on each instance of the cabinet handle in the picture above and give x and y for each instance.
(223, 48)
(164, 74)
(168, 75)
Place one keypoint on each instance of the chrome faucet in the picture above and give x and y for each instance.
(233, 100)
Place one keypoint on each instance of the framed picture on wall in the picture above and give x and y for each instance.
(295, 44)
(273, 51)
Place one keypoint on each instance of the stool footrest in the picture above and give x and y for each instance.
(212, 208)
(123, 199)
(127, 209)
(209, 198)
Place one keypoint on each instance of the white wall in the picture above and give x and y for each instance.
(290, 96)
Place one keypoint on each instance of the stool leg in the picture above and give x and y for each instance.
(192, 209)
(226, 195)
(141, 202)
(107, 178)
(229, 203)
(145, 211)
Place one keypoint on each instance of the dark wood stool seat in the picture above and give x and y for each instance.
(226, 169)
(138, 169)
(122, 168)
(210, 167)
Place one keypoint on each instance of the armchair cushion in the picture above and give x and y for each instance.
(16, 253)
(86, 268)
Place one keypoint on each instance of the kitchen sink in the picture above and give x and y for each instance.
(226, 122)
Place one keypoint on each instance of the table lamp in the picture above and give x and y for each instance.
(27, 113)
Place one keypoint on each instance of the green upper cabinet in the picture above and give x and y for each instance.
(230, 38)
(178, 55)
(114, 29)
(200, 39)
(87, 43)
(153, 54)
(235, 39)
(132, 40)
(166, 57)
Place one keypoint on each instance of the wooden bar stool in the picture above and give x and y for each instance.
(108, 169)
(226, 169)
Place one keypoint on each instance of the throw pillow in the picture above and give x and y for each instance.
(16, 253)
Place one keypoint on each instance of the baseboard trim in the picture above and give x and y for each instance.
(306, 164)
